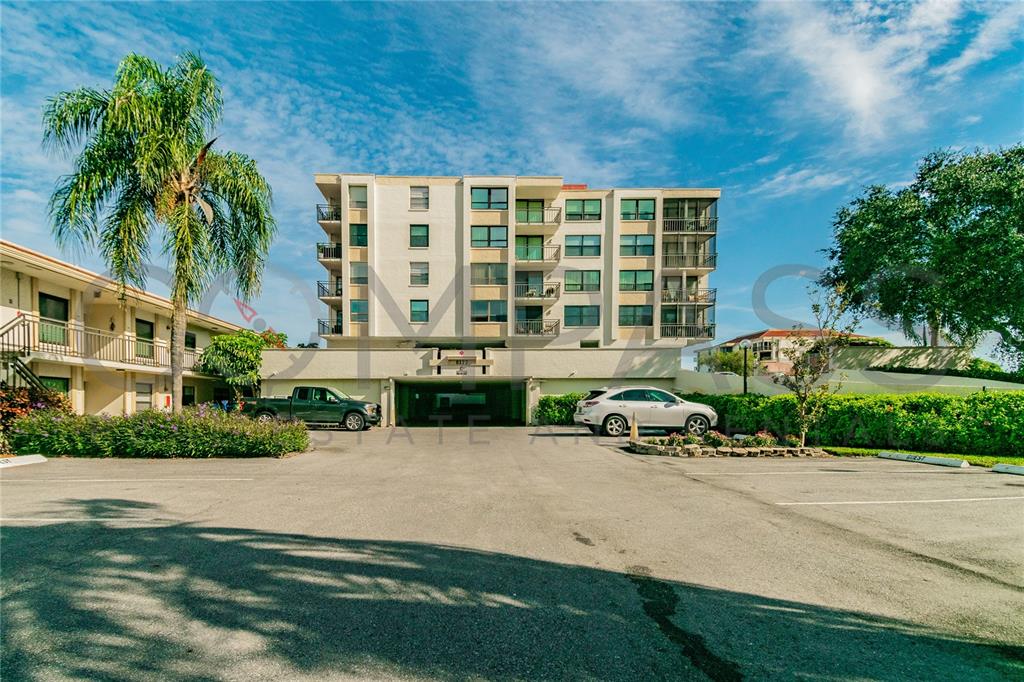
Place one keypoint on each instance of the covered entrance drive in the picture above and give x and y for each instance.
(460, 402)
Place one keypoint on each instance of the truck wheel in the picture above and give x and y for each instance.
(264, 417)
(354, 421)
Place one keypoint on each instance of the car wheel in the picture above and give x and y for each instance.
(697, 425)
(264, 417)
(615, 425)
(354, 421)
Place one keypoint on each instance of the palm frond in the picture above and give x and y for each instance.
(71, 116)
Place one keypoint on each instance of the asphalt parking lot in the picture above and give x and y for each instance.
(509, 554)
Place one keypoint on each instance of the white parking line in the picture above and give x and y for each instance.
(952, 499)
(114, 480)
(94, 519)
(819, 473)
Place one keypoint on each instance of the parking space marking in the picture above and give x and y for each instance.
(818, 473)
(938, 501)
(114, 480)
(70, 519)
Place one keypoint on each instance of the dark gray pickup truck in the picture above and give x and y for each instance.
(315, 405)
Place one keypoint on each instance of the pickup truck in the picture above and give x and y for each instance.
(315, 405)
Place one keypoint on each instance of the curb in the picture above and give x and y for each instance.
(940, 461)
(8, 462)
(1008, 469)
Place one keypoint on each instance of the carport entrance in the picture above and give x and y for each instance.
(460, 403)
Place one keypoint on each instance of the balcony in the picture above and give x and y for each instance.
(536, 327)
(328, 212)
(546, 291)
(687, 331)
(692, 225)
(328, 289)
(702, 296)
(328, 251)
(329, 327)
(60, 340)
(689, 260)
(548, 254)
(549, 215)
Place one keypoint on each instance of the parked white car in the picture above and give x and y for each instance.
(610, 411)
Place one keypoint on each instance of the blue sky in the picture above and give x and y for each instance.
(789, 107)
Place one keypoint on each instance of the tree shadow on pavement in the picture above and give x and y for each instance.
(121, 597)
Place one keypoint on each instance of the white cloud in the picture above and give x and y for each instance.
(997, 33)
(790, 180)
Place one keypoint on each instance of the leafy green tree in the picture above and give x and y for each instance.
(147, 160)
(945, 253)
(732, 361)
(237, 357)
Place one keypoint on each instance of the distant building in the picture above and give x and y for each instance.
(766, 346)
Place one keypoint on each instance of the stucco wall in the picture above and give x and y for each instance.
(942, 357)
(852, 381)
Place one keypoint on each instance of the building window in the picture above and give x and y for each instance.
(419, 274)
(582, 209)
(188, 395)
(357, 196)
(636, 245)
(357, 234)
(488, 273)
(53, 325)
(419, 198)
(582, 280)
(419, 236)
(61, 384)
(359, 310)
(492, 237)
(636, 280)
(689, 208)
(493, 198)
(590, 344)
(637, 209)
(144, 339)
(529, 210)
(358, 273)
(529, 248)
(143, 397)
(582, 315)
(489, 311)
(583, 245)
(636, 315)
(419, 310)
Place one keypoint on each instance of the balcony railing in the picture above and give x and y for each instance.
(328, 289)
(539, 254)
(73, 339)
(536, 327)
(328, 212)
(689, 260)
(690, 296)
(544, 290)
(327, 327)
(328, 251)
(688, 331)
(549, 215)
(700, 225)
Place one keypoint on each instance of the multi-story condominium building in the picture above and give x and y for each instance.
(507, 261)
(449, 297)
(70, 329)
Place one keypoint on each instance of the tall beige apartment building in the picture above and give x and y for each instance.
(512, 261)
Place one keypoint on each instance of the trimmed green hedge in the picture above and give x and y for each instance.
(983, 423)
(196, 432)
(972, 373)
(557, 409)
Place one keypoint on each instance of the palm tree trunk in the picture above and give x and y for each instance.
(179, 318)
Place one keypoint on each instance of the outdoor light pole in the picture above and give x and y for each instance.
(744, 345)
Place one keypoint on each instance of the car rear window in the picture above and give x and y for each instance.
(594, 394)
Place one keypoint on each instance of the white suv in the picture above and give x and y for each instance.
(610, 410)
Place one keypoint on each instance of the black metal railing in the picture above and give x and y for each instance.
(328, 251)
(701, 225)
(539, 291)
(545, 254)
(536, 327)
(689, 260)
(325, 289)
(688, 296)
(549, 215)
(688, 331)
(328, 212)
(327, 327)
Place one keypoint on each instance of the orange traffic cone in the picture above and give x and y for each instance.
(634, 430)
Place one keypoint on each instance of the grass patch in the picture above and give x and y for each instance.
(973, 460)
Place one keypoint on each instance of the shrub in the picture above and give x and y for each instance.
(196, 432)
(557, 409)
(762, 439)
(717, 439)
(977, 369)
(16, 402)
(983, 423)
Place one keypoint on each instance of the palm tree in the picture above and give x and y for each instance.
(147, 159)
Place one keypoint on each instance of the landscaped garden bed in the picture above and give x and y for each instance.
(714, 444)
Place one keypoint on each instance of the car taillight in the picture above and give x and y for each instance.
(589, 403)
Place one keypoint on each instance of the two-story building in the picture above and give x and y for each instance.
(75, 332)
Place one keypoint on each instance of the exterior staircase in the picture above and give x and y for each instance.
(15, 345)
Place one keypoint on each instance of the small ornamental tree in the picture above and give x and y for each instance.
(274, 339)
(732, 361)
(812, 356)
(235, 357)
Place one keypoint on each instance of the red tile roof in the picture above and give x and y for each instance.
(780, 333)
